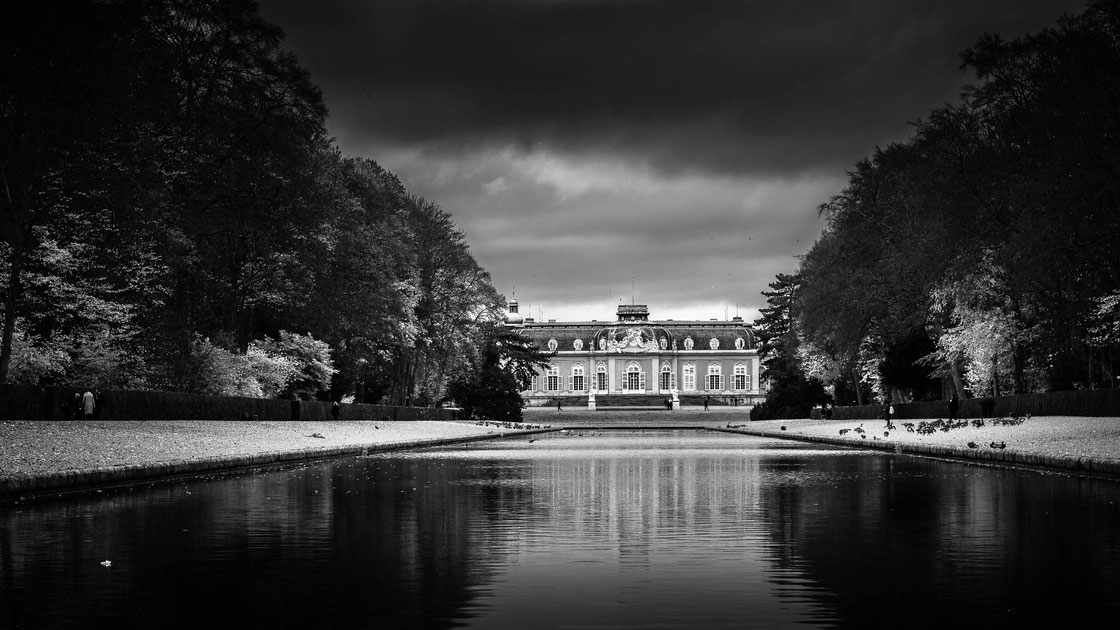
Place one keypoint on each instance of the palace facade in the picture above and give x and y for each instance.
(637, 361)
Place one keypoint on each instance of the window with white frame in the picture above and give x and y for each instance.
(714, 377)
(690, 376)
(552, 379)
(666, 376)
(535, 383)
(601, 376)
(741, 378)
(577, 378)
(635, 379)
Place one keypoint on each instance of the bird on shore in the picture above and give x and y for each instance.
(972, 445)
(1000, 445)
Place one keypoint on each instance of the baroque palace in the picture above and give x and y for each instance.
(634, 361)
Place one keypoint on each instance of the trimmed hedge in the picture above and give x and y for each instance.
(1082, 402)
(28, 402)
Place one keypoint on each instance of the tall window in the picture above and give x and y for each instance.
(714, 376)
(577, 378)
(601, 377)
(553, 379)
(740, 376)
(635, 379)
(690, 376)
(666, 376)
(535, 383)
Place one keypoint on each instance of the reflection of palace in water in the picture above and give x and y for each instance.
(634, 360)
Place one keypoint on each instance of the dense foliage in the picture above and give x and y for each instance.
(503, 369)
(981, 256)
(174, 216)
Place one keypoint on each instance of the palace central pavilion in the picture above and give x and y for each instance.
(634, 361)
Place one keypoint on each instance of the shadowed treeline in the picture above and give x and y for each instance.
(979, 257)
(174, 216)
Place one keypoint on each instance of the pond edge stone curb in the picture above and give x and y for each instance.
(1011, 457)
(15, 485)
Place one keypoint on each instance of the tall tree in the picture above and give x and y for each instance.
(492, 387)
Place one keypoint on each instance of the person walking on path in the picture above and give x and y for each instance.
(88, 404)
(954, 405)
(706, 402)
(559, 406)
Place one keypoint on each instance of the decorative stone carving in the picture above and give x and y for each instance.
(739, 343)
(602, 343)
(578, 344)
(631, 341)
(552, 345)
(663, 342)
(688, 343)
(713, 343)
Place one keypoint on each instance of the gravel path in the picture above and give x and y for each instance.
(1048, 436)
(39, 447)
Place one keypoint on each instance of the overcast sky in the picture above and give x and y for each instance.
(669, 152)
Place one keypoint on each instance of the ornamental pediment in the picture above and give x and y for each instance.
(630, 340)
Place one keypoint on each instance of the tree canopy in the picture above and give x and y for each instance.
(983, 250)
(174, 216)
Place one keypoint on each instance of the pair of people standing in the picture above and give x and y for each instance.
(86, 406)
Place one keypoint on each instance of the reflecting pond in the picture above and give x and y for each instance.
(683, 529)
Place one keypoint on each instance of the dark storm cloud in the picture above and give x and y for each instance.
(673, 152)
(724, 86)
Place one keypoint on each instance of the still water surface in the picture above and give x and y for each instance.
(614, 530)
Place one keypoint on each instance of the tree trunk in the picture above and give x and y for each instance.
(1019, 365)
(859, 391)
(1089, 350)
(11, 302)
(958, 381)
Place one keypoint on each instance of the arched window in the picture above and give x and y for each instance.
(601, 376)
(635, 378)
(690, 376)
(666, 376)
(535, 383)
(714, 377)
(577, 378)
(741, 379)
(552, 379)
